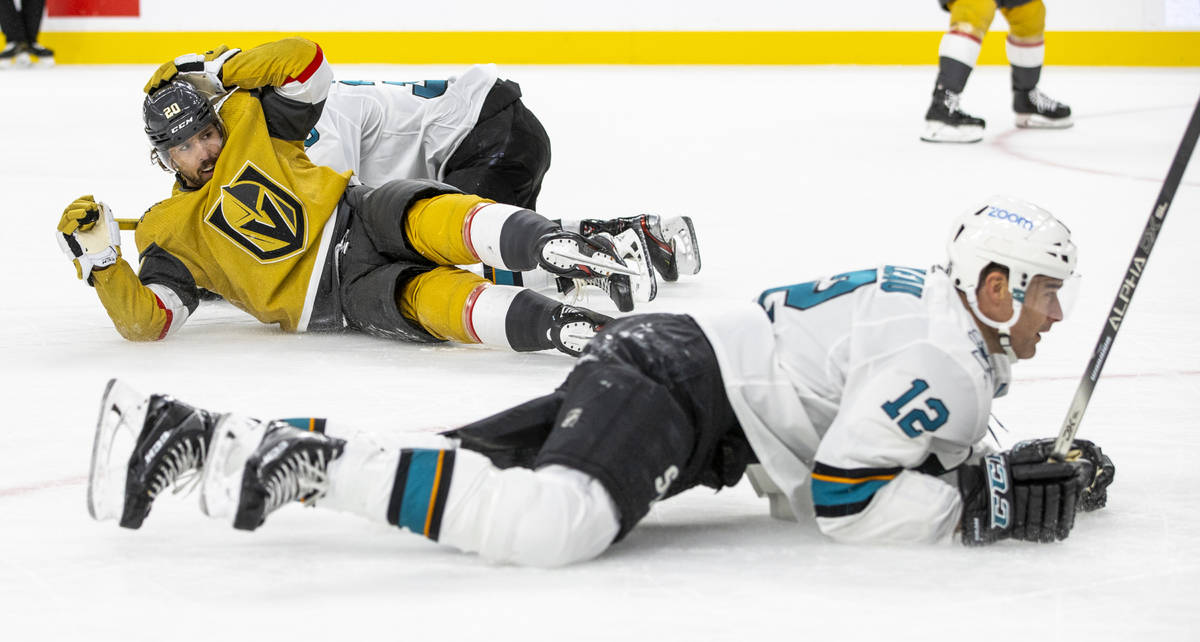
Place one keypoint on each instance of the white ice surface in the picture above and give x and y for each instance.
(789, 173)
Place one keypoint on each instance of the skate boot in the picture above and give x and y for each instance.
(571, 328)
(617, 287)
(946, 123)
(129, 469)
(234, 441)
(12, 54)
(670, 242)
(1036, 110)
(290, 464)
(618, 266)
(43, 57)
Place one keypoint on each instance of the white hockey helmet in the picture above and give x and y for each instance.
(1016, 234)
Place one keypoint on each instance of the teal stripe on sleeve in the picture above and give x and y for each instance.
(829, 493)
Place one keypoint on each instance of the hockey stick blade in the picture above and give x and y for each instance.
(1133, 274)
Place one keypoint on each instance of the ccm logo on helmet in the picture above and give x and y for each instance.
(1005, 215)
(182, 124)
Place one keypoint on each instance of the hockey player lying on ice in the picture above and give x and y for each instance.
(252, 219)
(474, 133)
(868, 391)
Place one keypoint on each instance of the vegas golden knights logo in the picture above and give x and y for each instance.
(260, 215)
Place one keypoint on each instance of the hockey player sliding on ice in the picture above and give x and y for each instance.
(864, 397)
(945, 122)
(252, 219)
(473, 132)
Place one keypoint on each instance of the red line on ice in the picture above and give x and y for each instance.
(1003, 141)
(46, 485)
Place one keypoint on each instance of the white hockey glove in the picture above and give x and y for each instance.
(203, 71)
(89, 235)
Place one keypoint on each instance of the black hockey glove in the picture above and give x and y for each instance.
(1095, 493)
(1018, 494)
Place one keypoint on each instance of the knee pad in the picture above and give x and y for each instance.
(434, 228)
(1026, 23)
(438, 301)
(549, 517)
(972, 17)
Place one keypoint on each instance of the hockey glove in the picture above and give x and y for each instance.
(88, 233)
(1095, 493)
(1018, 494)
(203, 71)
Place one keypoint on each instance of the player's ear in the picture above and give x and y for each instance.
(994, 287)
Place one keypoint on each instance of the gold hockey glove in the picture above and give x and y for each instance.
(89, 235)
(203, 71)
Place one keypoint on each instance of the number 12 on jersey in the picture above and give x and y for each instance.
(916, 421)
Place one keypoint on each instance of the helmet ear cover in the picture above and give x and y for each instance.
(172, 115)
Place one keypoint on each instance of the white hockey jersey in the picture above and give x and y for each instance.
(388, 130)
(861, 389)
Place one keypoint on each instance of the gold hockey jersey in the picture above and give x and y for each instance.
(258, 233)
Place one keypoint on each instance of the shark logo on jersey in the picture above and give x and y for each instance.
(981, 352)
(260, 216)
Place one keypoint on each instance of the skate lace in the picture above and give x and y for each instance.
(298, 477)
(578, 294)
(952, 101)
(1041, 101)
(181, 467)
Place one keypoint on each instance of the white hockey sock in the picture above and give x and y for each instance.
(549, 517)
(482, 232)
(1024, 54)
(486, 317)
(361, 480)
(961, 47)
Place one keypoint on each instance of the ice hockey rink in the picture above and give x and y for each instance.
(790, 173)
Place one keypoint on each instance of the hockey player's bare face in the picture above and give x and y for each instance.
(1041, 310)
(196, 157)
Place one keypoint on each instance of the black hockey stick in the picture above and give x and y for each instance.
(1133, 275)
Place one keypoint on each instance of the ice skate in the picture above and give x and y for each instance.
(289, 464)
(634, 282)
(1036, 110)
(13, 55)
(624, 290)
(572, 255)
(946, 123)
(142, 446)
(670, 242)
(571, 328)
(234, 441)
(42, 57)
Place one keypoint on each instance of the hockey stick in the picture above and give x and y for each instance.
(127, 224)
(1133, 275)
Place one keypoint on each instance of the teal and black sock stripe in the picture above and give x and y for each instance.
(311, 424)
(420, 490)
(502, 277)
(838, 492)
